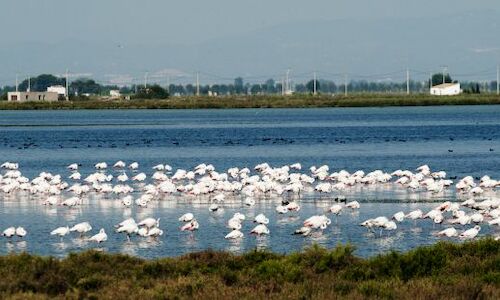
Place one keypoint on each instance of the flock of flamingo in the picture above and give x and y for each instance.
(125, 183)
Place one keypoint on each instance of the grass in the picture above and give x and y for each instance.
(295, 101)
(442, 271)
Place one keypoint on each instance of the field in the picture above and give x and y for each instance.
(296, 101)
(443, 271)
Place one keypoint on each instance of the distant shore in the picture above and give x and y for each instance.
(442, 271)
(236, 101)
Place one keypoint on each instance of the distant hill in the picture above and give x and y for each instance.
(466, 43)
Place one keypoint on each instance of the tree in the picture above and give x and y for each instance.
(41, 83)
(85, 86)
(190, 89)
(238, 85)
(256, 89)
(279, 88)
(438, 79)
(176, 89)
(151, 92)
(204, 89)
(270, 86)
(300, 88)
(310, 86)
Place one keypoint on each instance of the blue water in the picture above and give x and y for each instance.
(462, 140)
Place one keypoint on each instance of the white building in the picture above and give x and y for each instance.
(32, 96)
(59, 89)
(115, 93)
(446, 89)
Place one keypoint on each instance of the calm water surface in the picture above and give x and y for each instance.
(463, 140)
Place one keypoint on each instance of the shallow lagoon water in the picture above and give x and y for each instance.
(463, 140)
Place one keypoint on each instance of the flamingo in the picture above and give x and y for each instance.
(81, 228)
(235, 234)
(191, 226)
(100, 237)
(159, 167)
(9, 232)
(470, 233)
(399, 216)
(119, 165)
(336, 209)
(75, 176)
(448, 232)
(281, 209)
(293, 206)
(261, 219)
(122, 177)
(389, 226)
(414, 215)
(149, 223)
(304, 230)
(101, 166)
(143, 232)
(353, 205)
(155, 232)
(260, 229)
(60, 231)
(128, 229)
(188, 217)
(316, 222)
(139, 177)
(72, 167)
(21, 232)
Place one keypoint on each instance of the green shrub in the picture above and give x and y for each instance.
(444, 270)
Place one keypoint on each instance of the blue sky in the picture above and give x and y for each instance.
(123, 39)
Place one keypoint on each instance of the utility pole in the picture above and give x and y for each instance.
(314, 84)
(430, 81)
(29, 84)
(282, 86)
(444, 70)
(345, 85)
(287, 89)
(197, 84)
(407, 81)
(17, 84)
(146, 80)
(66, 92)
(168, 84)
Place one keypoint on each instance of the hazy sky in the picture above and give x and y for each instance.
(188, 21)
(145, 24)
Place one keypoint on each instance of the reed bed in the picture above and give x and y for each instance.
(295, 101)
(443, 271)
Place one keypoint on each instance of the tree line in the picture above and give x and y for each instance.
(86, 86)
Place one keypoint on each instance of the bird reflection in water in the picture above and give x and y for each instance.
(60, 246)
(22, 246)
(262, 242)
(190, 240)
(149, 243)
(129, 248)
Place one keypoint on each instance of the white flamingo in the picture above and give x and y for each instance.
(100, 237)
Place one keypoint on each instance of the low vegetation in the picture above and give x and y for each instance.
(296, 101)
(442, 271)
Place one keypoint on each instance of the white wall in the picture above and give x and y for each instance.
(57, 89)
(447, 91)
